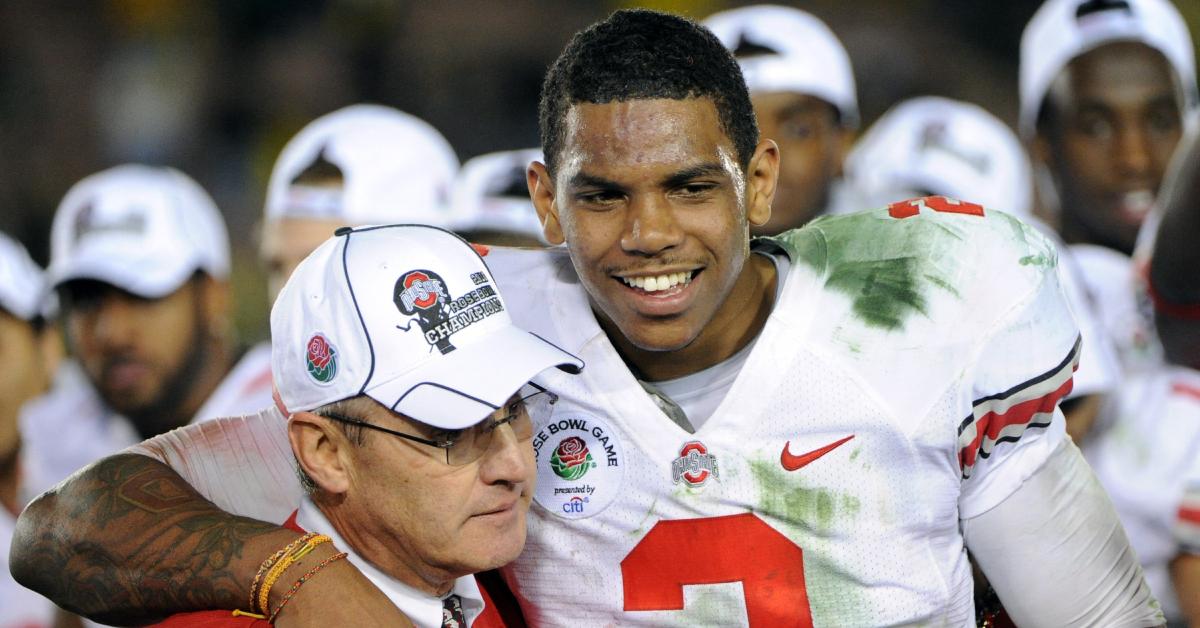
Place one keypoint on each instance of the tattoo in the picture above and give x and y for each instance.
(128, 540)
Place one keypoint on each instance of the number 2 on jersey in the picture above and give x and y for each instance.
(715, 550)
(910, 208)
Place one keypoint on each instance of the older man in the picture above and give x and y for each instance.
(416, 462)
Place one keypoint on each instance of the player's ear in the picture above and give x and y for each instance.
(761, 177)
(541, 192)
(320, 449)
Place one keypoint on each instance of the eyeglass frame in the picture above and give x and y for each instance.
(445, 445)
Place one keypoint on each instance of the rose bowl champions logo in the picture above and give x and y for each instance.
(321, 359)
(423, 293)
(571, 460)
(694, 465)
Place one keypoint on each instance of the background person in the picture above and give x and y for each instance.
(140, 263)
(803, 91)
(22, 294)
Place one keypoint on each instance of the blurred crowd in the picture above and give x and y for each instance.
(170, 163)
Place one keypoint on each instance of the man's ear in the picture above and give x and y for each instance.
(541, 192)
(761, 178)
(320, 449)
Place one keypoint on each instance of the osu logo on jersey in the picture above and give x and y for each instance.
(694, 465)
(423, 293)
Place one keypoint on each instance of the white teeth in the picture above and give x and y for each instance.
(659, 282)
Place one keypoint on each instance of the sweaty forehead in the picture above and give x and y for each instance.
(642, 134)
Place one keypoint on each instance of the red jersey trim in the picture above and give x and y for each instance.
(1005, 417)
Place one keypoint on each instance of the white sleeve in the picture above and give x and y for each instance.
(1020, 371)
(244, 464)
(1056, 554)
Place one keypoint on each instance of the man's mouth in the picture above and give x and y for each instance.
(661, 282)
(1135, 205)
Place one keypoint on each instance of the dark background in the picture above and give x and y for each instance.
(216, 88)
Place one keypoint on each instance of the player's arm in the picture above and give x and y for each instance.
(1176, 257)
(129, 540)
(1056, 554)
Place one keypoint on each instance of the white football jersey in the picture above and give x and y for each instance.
(71, 426)
(1118, 289)
(1145, 459)
(907, 377)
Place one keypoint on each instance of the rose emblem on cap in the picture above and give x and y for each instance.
(322, 359)
(571, 459)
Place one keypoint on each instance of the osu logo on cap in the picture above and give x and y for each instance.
(321, 359)
(423, 293)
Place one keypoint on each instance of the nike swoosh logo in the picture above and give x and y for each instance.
(792, 463)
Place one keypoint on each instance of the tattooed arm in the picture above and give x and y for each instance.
(126, 540)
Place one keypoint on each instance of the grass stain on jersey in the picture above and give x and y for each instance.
(887, 267)
(1040, 260)
(816, 510)
(810, 518)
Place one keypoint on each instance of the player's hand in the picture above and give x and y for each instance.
(339, 596)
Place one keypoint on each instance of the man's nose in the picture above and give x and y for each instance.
(652, 226)
(508, 460)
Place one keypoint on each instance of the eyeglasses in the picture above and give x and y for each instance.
(469, 444)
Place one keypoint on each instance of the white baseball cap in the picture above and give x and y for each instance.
(940, 146)
(491, 194)
(793, 52)
(1062, 30)
(22, 284)
(408, 315)
(143, 229)
(395, 167)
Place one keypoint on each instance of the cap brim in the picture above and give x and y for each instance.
(146, 276)
(466, 385)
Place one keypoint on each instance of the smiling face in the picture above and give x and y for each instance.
(655, 210)
(1113, 124)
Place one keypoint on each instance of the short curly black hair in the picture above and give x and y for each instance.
(639, 54)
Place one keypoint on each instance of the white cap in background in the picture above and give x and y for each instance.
(394, 167)
(932, 145)
(1062, 30)
(408, 315)
(793, 51)
(22, 284)
(143, 229)
(491, 194)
